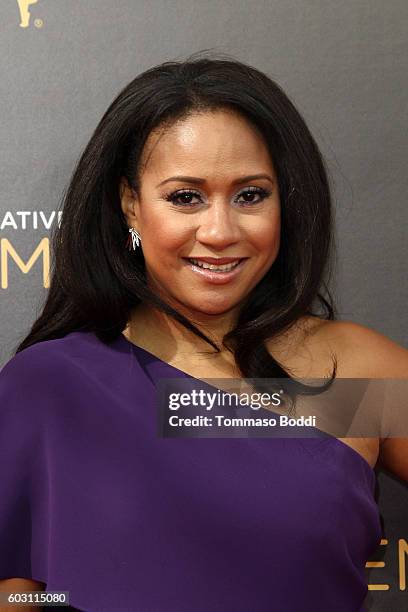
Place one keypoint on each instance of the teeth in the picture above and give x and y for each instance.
(221, 268)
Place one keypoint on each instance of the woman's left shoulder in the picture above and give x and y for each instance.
(362, 352)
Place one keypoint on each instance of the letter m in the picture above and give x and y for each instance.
(7, 249)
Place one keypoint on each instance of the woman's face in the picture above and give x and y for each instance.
(201, 197)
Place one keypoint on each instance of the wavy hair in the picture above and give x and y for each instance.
(96, 282)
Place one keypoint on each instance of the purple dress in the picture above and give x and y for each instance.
(94, 502)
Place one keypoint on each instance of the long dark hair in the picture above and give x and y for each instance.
(96, 282)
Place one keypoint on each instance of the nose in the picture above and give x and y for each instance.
(219, 227)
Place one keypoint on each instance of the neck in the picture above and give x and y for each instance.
(153, 329)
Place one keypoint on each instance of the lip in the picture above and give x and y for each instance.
(216, 260)
(217, 278)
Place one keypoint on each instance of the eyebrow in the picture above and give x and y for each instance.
(198, 181)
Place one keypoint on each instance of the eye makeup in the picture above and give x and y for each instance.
(188, 193)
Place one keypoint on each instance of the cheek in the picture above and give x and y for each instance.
(166, 236)
(267, 236)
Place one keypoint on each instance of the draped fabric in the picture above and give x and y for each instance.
(94, 502)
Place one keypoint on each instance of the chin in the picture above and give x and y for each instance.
(210, 309)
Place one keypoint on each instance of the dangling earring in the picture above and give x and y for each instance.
(133, 240)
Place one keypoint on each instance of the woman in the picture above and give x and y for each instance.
(196, 234)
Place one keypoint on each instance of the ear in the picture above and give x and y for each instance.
(129, 203)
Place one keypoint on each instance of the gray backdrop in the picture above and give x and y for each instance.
(344, 64)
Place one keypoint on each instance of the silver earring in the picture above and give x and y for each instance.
(134, 239)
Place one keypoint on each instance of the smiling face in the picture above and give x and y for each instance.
(218, 212)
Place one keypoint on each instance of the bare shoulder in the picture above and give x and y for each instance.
(363, 352)
(367, 353)
(308, 348)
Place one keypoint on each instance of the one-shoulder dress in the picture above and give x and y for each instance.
(95, 503)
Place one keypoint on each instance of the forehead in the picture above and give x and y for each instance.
(218, 142)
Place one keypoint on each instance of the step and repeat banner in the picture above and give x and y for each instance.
(343, 64)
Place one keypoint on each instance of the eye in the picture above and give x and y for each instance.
(254, 191)
(183, 195)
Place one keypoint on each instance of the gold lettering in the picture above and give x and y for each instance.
(7, 248)
(402, 553)
(377, 564)
(24, 12)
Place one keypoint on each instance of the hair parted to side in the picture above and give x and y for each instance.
(96, 282)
